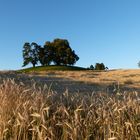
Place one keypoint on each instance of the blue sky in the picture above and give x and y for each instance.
(105, 31)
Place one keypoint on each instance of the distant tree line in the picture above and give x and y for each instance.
(58, 52)
(98, 66)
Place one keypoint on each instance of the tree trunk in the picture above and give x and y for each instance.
(33, 65)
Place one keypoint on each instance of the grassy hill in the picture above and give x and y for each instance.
(52, 67)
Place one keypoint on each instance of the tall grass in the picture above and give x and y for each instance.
(40, 114)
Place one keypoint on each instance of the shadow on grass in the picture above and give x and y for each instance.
(60, 85)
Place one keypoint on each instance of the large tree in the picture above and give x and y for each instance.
(63, 54)
(30, 54)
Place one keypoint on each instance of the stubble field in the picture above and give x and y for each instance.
(70, 105)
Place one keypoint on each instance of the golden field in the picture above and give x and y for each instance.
(70, 105)
(124, 78)
(94, 76)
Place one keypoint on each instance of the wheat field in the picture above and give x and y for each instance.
(33, 109)
(129, 77)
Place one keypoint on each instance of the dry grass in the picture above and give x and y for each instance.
(105, 77)
(38, 113)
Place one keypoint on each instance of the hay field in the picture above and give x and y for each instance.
(127, 79)
(121, 76)
(82, 105)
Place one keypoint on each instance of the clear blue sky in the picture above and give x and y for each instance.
(98, 30)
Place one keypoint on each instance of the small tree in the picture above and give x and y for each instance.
(106, 68)
(91, 67)
(100, 66)
(139, 64)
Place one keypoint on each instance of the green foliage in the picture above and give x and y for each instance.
(63, 54)
(100, 66)
(51, 68)
(91, 67)
(30, 54)
(49, 52)
(46, 54)
(59, 52)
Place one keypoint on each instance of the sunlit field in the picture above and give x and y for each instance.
(70, 105)
(129, 78)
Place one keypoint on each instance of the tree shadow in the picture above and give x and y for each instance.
(60, 85)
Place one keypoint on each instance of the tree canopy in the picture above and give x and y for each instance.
(98, 66)
(30, 54)
(58, 52)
